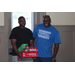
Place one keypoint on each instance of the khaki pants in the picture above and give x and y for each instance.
(14, 59)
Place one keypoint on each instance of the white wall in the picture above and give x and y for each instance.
(1, 18)
(62, 18)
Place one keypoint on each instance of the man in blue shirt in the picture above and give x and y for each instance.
(44, 36)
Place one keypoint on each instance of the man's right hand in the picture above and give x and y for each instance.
(19, 54)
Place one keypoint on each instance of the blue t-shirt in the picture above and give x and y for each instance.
(45, 36)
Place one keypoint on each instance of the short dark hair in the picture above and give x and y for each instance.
(46, 16)
(20, 18)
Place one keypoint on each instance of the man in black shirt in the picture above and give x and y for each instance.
(20, 35)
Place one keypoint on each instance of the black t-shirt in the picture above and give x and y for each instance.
(22, 36)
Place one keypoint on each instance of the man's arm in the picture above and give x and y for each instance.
(31, 43)
(34, 40)
(56, 46)
(13, 42)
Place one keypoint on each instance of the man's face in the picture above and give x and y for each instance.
(22, 22)
(46, 21)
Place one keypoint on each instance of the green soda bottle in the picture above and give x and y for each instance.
(22, 47)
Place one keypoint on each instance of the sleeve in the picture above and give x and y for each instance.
(13, 35)
(57, 38)
(34, 33)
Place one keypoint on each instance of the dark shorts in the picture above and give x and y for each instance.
(39, 59)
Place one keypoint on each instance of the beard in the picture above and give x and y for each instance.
(22, 25)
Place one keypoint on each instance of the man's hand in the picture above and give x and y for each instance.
(19, 54)
(56, 46)
(53, 59)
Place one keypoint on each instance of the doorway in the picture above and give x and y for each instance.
(36, 18)
(28, 16)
